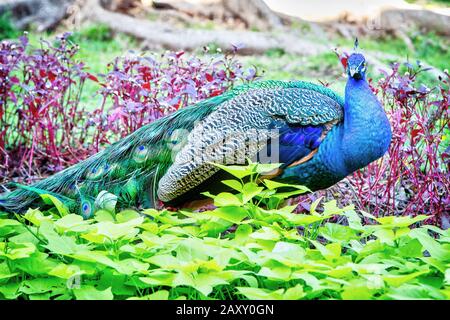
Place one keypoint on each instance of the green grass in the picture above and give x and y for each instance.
(7, 29)
(433, 3)
(248, 248)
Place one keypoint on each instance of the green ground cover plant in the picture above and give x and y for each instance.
(251, 246)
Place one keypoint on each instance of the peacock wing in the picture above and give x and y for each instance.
(268, 125)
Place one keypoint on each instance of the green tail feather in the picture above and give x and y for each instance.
(37, 192)
(121, 169)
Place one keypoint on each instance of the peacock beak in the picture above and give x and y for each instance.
(354, 73)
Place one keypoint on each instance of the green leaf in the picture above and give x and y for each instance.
(285, 195)
(237, 171)
(52, 200)
(411, 249)
(205, 282)
(36, 217)
(108, 231)
(37, 264)
(276, 273)
(266, 233)
(436, 250)
(72, 222)
(58, 244)
(158, 295)
(264, 168)
(226, 199)
(234, 184)
(88, 292)
(165, 261)
(159, 278)
(270, 184)
(331, 208)
(65, 271)
(250, 190)
(356, 293)
(100, 257)
(233, 214)
(13, 251)
(330, 251)
(294, 293)
(10, 290)
(261, 294)
(415, 292)
(301, 219)
(9, 226)
(5, 272)
(397, 280)
(127, 215)
(338, 233)
(242, 233)
(399, 221)
(42, 285)
(447, 277)
(103, 215)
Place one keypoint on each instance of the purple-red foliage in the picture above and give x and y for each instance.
(414, 176)
(40, 116)
(143, 89)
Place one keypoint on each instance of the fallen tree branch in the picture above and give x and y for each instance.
(45, 14)
(159, 35)
(166, 36)
(395, 19)
(255, 13)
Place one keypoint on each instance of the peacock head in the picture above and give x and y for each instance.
(356, 66)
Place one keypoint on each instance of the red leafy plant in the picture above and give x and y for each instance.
(40, 116)
(43, 125)
(144, 88)
(414, 177)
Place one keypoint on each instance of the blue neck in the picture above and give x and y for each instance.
(366, 129)
(357, 96)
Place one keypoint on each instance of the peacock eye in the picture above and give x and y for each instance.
(86, 210)
(140, 154)
(95, 173)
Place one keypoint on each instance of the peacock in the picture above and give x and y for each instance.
(318, 137)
